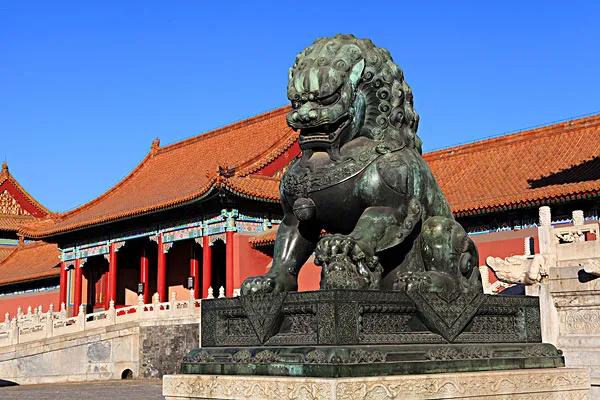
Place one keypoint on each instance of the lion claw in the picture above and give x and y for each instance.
(346, 265)
(259, 284)
(337, 245)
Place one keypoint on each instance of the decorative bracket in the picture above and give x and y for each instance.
(230, 217)
(118, 245)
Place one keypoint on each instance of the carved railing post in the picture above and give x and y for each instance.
(172, 301)
(37, 314)
(155, 303)
(210, 294)
(221, 292)
(191, 302)
(81, 317)
(140, 306)
(63, 311)
(527, 246)
(578, 218)
(545, 230)
(14, 331)
(50, 321)
(111, 315)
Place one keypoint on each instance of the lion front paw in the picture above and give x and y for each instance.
(264, 284)
(333, 245)
(346, 265)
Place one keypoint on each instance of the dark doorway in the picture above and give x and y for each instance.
(218, 266)
(95, 271)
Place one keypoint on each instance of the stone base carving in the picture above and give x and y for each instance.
(380, 360)
(368, 317)
(538, 384)
(351, 333)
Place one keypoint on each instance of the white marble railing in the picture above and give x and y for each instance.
(37, 325)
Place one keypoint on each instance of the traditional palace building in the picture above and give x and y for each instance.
(28, 271)
(203, 213)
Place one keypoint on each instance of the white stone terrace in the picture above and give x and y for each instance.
(37, 325)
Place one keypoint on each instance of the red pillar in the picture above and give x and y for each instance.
(229, 264)
(106, 280)
(161, 281)
(62, 298)
(194, 269)
(78, 276)
(144, 275)
(206, 265)
(112, 275)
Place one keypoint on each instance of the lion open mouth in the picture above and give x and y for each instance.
(323, 136)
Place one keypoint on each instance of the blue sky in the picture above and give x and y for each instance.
(86, 86)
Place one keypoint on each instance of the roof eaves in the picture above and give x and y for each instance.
(205, 191)
(527, 203)
(31, 278)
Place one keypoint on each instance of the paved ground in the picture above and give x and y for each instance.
(106, 390)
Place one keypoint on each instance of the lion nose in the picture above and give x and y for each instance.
(312, 114)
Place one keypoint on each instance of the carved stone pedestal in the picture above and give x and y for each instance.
(538, 384)
(367, 344)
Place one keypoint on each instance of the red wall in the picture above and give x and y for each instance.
(9, 304)
(251, 262)
(309, 277)
(247, 260)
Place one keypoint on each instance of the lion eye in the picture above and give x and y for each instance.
(295, 104)
(329, 100)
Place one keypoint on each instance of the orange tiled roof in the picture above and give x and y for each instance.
(503, 172)
(516, 170)
(12, 223)
(30, 262)
(187, 171)
(5, 251)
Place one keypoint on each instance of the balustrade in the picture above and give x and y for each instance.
(37, 325)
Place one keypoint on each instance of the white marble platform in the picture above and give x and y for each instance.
(530, 384)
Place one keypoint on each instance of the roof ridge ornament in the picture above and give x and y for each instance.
(226, 171)
(155, 146)
(5, 167)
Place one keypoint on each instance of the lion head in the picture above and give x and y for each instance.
(342, 88)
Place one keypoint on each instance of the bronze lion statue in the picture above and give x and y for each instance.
(362, 179)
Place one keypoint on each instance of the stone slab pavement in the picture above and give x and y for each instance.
(104, 390)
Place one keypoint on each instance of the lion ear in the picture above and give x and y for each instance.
(357, 71)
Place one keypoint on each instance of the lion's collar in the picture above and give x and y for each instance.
(299, 181)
